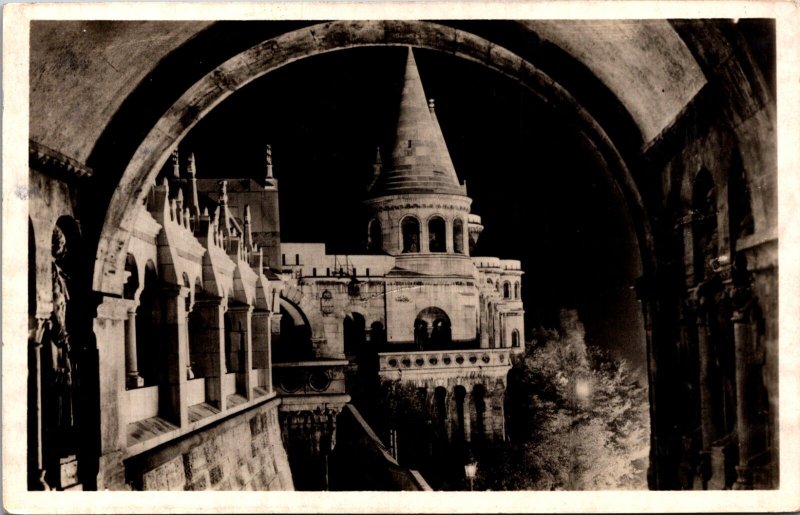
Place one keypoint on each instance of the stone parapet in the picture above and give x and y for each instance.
(443, 364)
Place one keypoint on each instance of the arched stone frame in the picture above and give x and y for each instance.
(515, 338)
(410, 237)
(506, 289)
(437, 236)
(249, 65)
(458, 235)
(517, 290)
(432, 327)
(238, 71)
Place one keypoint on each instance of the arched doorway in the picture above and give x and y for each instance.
(354, 333)
(432, 329)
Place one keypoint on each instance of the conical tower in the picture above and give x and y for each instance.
(419, 209)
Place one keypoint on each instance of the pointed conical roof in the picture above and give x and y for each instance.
(419, 162)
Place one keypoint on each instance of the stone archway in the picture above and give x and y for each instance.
(213, 88)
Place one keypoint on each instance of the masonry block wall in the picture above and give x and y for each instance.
(242, 453)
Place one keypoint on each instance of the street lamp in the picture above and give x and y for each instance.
(470, 470)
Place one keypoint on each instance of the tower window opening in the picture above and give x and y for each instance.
(410, 234)
(436, 235)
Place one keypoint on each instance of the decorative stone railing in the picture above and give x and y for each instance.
(442, 361)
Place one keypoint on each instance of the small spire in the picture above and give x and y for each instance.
(378, 160)
(269, 161)
(247, 214)
(191, 166)
(176, 166)
(223, 192)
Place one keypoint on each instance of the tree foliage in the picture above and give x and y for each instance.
(578, 420)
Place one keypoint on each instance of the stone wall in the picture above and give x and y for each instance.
(244, 452)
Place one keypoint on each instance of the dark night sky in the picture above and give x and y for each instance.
(542, 197)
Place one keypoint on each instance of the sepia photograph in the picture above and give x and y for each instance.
(270, 253)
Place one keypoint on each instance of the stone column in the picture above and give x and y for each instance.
(172, 398)
(189, 371)
(262, 356)
(208, 348)
(743, 336)
(468, 411)
(242, 348)
(36, 479)
(448, 237)
(132, 377)
(707, 424)
(109, 330)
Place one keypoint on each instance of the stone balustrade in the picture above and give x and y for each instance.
(435, 362)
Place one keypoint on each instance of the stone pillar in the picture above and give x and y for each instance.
(172, 399)
(262, 354)
(743, 334)
(188, 350)
(109, 329)
(132, 378)
(36, 479)
(448, 237)
(208, 348)
(468, 414)
(242, 348)
(707, 423)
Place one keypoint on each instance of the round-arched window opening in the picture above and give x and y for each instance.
(506, 290)
(319, 380)
(515, 338)
(410, 234)
(432, 329)
(436, 235)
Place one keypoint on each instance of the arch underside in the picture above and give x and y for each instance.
(235, 73)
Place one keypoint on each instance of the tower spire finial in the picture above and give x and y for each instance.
(176, 167)
(268, 156)
(191, 166)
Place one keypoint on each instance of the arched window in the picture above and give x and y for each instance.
(458, 236)
(410, 229)
(374, 237)
(436, 235)
(515, 338)
(148, 320)
(506, 290)
(516, 290)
